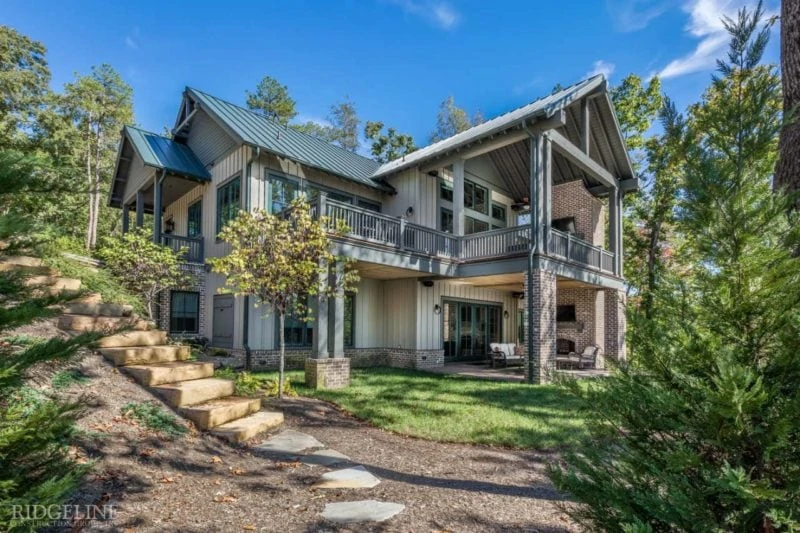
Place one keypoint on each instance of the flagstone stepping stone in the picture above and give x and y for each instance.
(361, 511)
(289, 442)
(357, 477)
(324, 458)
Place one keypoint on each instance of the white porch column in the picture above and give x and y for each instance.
(338, 310)
(321, 318)
(458, 197)
(615, 227)
(538, 193)
(547, 191)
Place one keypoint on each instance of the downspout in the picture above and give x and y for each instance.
(529, 274)
(256, 151)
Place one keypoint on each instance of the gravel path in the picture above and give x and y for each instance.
(200, 484)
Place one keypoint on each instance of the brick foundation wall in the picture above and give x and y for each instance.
(541, 362)
(196, 282)
(573, 200)
(358, 357)
(330, 373)
(616, 323)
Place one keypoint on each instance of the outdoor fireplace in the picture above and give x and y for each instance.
(564, 346)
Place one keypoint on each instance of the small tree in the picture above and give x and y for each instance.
(281, 261)
(142, 266)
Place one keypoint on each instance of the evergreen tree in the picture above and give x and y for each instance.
(700, 432)
(389, 145)
(271, 98)
(450, 120)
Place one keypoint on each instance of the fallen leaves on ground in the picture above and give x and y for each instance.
(216, 459)
(225, 498)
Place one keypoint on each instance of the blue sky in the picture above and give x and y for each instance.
(396, 59)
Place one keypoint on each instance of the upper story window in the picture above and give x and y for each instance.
(282, 190)
(229, 201)
(476, 197)
(194, 217)
(446, 190)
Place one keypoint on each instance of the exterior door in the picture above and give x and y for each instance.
(469, 328)
(222, 328)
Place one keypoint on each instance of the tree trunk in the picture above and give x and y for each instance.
(89, 180)
(787, 173)
(96, 189)
(283, 354)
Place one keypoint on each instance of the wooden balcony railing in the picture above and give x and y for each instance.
(193, 245)
(393, 232)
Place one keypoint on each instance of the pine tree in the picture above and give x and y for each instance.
(699, 433)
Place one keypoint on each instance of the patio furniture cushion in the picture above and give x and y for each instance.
(504, 352)
(587, 358)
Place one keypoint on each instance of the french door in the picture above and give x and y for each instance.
(468, 328)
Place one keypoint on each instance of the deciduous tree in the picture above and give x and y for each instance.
(281, 261)
(142, 266)
(450, 120)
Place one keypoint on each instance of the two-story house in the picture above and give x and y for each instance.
(510, 231)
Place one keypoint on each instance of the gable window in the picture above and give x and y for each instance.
(195, 219)
(446, 190)
(184, 312)
(476, 197)
(229, 202)
(499, 213)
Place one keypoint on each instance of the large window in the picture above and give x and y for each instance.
(281, 193)
(195, 219)
(481, 214)
(184, 312)
(282, 190)
(229, 202)
(300, 334)
(476, 197)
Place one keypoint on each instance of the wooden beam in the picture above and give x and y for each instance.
(576, 156)
(585, 126)
(558, 120)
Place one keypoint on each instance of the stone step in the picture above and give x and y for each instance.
(91, 298)
(195, 391)
(217, 412)
(153, 337)
(21, 260)
(29, 270)
(249, 426)
(173, 372)
(53, 285)
(98, 309)
(144, 355)
(101, 323)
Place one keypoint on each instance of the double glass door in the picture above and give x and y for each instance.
(469, 328)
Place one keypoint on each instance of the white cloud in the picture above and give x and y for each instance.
(436, 12)
(528, 85)
(132, 39)
(633, 15)
(705, 24)
(601, 67)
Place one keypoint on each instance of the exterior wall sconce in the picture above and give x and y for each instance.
(437, 309)
(505, 314)
(169, 226)
(410, 211)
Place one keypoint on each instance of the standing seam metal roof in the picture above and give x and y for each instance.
(258, 130)
(161, 152)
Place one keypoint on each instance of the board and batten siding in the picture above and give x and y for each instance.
(208, 140)
(429, 324)
(138, 175)
(401, 313)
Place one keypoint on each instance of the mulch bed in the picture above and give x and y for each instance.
(199, 483)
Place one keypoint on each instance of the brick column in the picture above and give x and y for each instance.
(616, 323)
(540, 327)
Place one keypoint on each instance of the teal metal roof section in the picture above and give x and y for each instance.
(160, 152)
(257, 130)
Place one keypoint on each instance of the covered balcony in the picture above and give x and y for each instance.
(153, 172)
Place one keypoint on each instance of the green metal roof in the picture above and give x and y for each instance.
(257, 130)
(160, 152)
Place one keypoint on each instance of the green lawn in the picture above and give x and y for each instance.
(457, 409)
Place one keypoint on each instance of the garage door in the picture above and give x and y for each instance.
(222, 332)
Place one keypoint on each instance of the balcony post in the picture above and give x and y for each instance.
(126, 218)
(537, 199)
(158, 188)
(615, 228)
(402, 243)
(139, 208)
(458, 198)
(547, 188)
